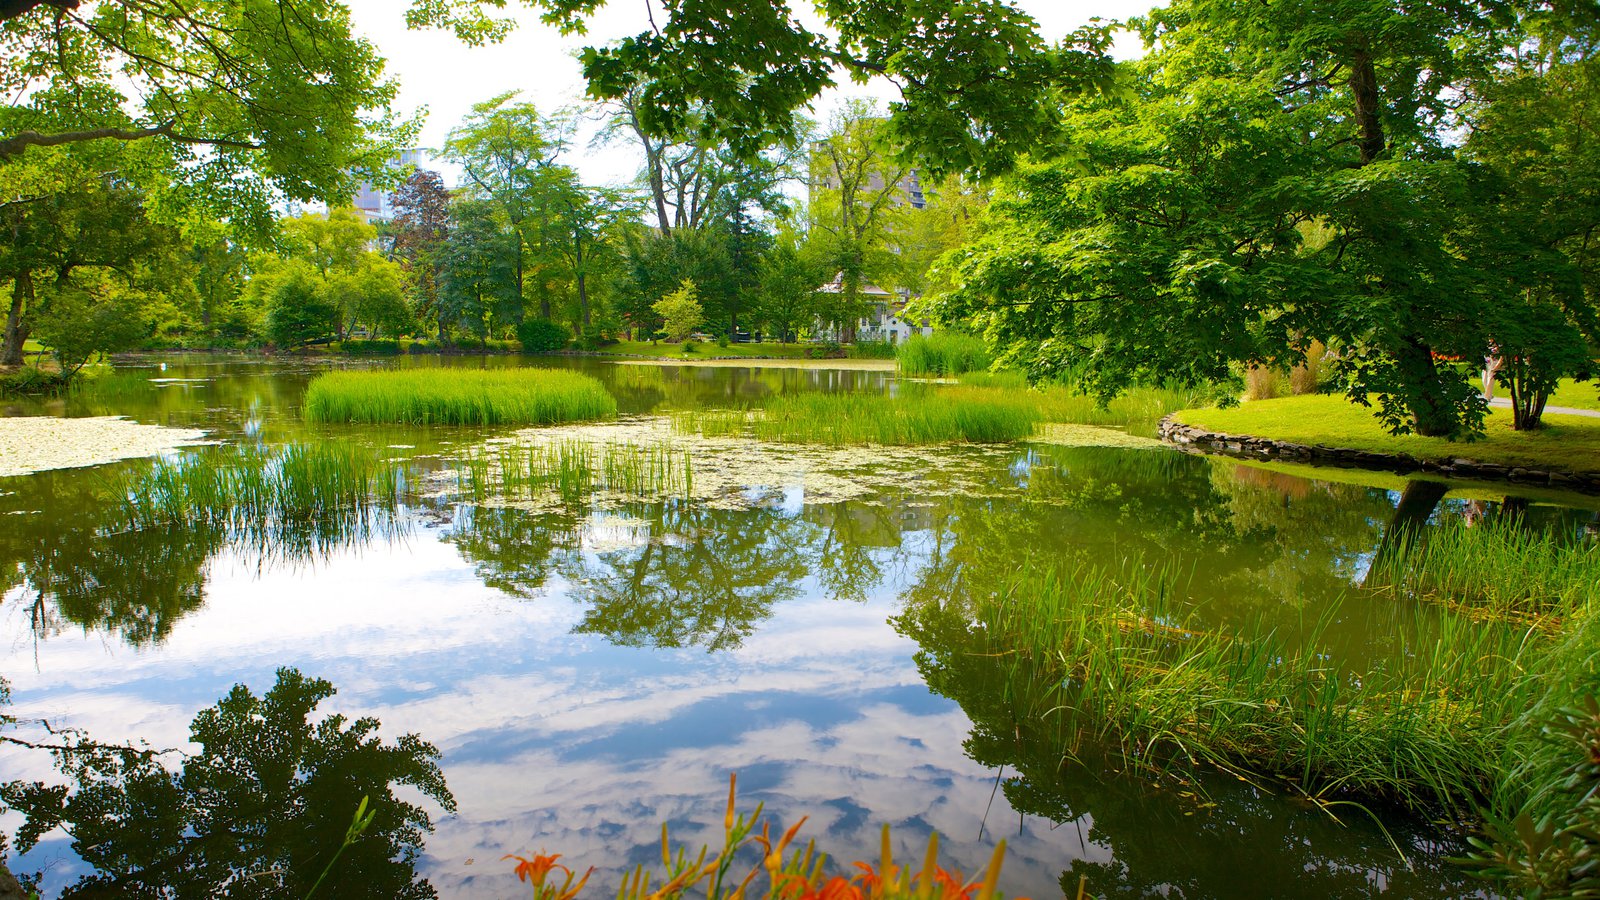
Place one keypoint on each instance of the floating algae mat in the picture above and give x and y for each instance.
(719, 472)
(39, 443)
(458, 397)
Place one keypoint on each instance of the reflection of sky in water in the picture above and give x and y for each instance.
(556, 740)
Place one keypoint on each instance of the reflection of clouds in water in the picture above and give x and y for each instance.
(558, 740)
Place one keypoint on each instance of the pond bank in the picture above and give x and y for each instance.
(1199, 439)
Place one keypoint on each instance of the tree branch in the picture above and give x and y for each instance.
(14, 146)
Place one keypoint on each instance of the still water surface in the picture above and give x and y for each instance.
(589, 674)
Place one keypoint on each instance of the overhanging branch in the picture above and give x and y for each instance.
(14, 146)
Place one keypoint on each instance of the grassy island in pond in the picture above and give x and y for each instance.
(454, 397)
(960, 415)
(1571, 443)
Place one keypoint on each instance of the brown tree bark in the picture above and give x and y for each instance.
(16, 325)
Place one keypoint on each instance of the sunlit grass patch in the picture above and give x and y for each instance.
(1566, 442)
(458, 397)
(920, 417)
(945, 353)
(1138, 408)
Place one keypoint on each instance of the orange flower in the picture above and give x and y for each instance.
(870, 879)
(536, 870)
(952, 887)
(835, 889)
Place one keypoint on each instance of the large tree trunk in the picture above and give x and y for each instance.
(1527, 399)
(1432, 413)
(1364, 89)
(16, 325)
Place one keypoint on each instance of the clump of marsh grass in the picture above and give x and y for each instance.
(575, 471)
(1497, 569)
(920, 417)
(294, 501)
(945, 353)
(458, 397)
(1425, 727)
(724, 422)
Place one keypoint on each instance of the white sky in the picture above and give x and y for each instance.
(439, 74)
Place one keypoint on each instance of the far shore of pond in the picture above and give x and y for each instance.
(754, 362)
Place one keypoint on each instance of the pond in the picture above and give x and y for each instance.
(589, 671)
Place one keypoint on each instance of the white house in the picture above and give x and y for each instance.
(885, 319)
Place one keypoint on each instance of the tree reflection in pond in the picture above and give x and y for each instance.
(259, 811)
(698, 577)
(77, 561)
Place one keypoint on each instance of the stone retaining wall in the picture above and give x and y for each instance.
(1195, 439)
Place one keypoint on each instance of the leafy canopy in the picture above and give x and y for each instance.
(978, 84)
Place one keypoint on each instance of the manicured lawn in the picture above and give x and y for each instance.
(709, 350)
(1575, 394)
(1566, 442)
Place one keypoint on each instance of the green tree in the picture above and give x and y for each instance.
(300, 308)
(978, 84)
(1277, 174)
(680, 311)
(1533, 129)
(790, 276)
(239, 104)
(857, 184)
(67, 245)
(477, 270)
(90, 316)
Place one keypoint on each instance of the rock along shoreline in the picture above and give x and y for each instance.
(1194, 439)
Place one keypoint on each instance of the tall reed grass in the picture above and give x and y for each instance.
(1498, 569)
(922, 417)
(944, 353)
(1426, 727)
(458, 397)
(575, 471)
(292, 502)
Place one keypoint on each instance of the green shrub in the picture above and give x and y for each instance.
(458, 397)
(300, 311)
(542, 336)
(945, 353)
(872, 350)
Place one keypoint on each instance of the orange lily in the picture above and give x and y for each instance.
(536, 870)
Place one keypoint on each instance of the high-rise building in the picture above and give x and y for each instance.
(378, 206)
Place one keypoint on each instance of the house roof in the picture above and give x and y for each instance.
(866, 289)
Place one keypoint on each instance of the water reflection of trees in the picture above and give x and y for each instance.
(76, 561)
(259, 811)
(685, 575)
(700, 577)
